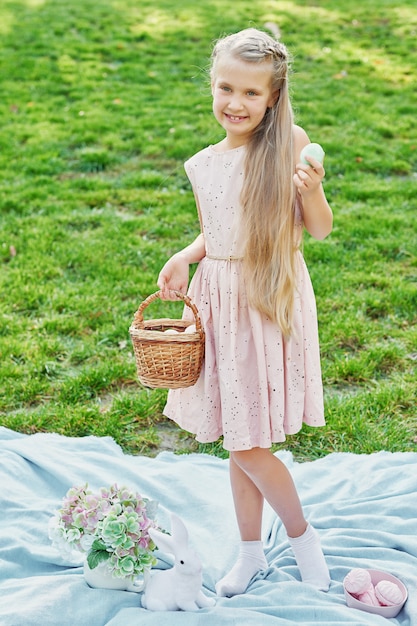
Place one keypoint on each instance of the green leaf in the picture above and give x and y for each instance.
(98, 544)
(95, 557)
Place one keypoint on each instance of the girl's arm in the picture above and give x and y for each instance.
(175, 274)
(317, 214)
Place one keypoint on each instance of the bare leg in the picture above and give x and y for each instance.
(249, 503)
(274, 482)
(257, 474)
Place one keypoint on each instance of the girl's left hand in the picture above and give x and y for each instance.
(307, 178)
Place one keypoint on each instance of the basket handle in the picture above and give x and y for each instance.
(138, 318)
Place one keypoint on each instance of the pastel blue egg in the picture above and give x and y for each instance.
(314, 150)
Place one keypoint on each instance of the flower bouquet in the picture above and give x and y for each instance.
(110, 527)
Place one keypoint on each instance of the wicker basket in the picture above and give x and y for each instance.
(167, 361)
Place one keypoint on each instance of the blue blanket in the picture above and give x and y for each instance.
(363, 506)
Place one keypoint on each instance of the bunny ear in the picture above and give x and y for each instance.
(178, 540)
(179, 532)
(161, 540)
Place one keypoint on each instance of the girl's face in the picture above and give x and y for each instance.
(242, 93)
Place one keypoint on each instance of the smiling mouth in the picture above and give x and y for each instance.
(235, 118)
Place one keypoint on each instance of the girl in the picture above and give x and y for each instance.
(261, 378)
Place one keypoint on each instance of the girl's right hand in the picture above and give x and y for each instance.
(174, 276)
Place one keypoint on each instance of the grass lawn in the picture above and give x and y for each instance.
(101, 104)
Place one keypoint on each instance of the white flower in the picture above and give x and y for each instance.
(86, 542)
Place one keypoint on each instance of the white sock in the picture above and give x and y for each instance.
(250, 561)
(310, 559)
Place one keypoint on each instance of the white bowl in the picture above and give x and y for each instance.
(385, 611)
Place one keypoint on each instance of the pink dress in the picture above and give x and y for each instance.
(254, 387)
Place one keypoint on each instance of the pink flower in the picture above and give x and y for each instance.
(112, 522)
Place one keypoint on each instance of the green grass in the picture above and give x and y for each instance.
(101, 104)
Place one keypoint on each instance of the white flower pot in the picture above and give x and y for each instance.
(101, 578)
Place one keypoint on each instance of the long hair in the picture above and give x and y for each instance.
(268, 192)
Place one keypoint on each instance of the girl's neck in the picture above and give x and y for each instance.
(226, 144)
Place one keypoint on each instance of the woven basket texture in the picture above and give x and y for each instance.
(165, 360)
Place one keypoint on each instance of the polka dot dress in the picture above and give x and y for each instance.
(254, 387)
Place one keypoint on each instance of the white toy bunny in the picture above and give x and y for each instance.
(178, 588)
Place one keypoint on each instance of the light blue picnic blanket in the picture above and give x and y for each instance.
(363, 506)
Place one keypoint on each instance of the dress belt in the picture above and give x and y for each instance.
(224, 258)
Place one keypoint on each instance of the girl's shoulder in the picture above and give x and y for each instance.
(301, 139)
(197, 159)
(300, 136)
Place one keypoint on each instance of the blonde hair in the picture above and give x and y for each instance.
(268, 193)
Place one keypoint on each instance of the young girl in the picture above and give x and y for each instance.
(261, 377)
